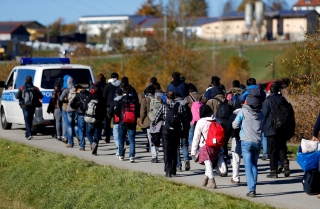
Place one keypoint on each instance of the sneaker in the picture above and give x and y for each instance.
(234, 182)
(131, 160)
(59, 138)
(121, 158)
(154, 160)
(264, 157)
(212, 184)
(64, 140)
(187, 165)
(272, 175)
(117, 155)
(168, 175)
(94, 148)
(286, 170)
(29, 137)
(82, 149)
(69, 146)
(179, 168)
(280, 168)
(251, 194)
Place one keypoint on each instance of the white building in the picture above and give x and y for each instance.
(303, 5)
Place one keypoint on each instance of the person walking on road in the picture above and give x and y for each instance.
(208, 155)
(28, 96)
(278, 127)
(249, 120)
(177, 85)
(173, 115)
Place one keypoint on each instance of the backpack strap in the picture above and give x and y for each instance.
(218, 100)
(192, 98)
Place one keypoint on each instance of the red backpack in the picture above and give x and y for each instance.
(215, 137)
(128, 112)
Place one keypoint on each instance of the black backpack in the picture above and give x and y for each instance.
(84, 99)
(29, 96)
(224, 111)
(282, 115)
(172, 121)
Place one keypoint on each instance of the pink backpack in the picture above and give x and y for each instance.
(195, 109)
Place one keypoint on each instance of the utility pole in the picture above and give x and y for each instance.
(183, 19)
(214, 54)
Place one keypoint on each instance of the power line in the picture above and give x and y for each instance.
(70, 7)
(112, 6)
(92, 7)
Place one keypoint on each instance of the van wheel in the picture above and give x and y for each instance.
(34, 130)
(5, 125)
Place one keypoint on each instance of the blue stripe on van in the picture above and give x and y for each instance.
(8, 96)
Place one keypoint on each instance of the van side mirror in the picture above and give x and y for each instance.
(1, 84)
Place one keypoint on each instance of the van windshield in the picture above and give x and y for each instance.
(80, 76)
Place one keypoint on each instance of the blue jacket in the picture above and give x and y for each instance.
(178, 86)
(214, 91)
(245, 93)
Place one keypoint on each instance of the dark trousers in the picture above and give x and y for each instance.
(277, 151)
(225, 147)
(170, 142)
(107, 127)
(28, 113)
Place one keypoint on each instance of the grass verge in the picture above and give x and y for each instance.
(33, 178)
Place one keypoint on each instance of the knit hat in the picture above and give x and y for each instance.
(254, 97)
(205, 111)
(269, 86)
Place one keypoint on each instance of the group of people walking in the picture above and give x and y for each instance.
(180, 119)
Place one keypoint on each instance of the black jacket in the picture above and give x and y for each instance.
(109, 92)
(39, 95)
(121, 105)
(101, 108)
(233, 133)
(268, 108)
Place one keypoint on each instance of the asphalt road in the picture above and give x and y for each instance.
(282, 192)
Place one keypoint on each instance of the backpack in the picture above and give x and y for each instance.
(224, 111)
(71, 95)
(236, 100)
(215, 137)
(195, 109)
(128, 112)
(92, 113)
(153, 107)
(29, 96)
(172, 121)
(84, 99)
(281, 115)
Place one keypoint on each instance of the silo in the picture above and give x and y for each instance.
(259, 14)
(249, 15)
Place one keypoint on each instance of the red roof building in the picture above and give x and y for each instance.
(13, 31)
(302, 5)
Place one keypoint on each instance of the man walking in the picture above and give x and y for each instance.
(28, 96)
(278, 127)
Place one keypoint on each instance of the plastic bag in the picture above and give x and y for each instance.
(308, 145)
(222, 166)
(308, 161)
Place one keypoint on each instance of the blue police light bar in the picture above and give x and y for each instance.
(34, 61)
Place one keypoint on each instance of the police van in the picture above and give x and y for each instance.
(44, 73)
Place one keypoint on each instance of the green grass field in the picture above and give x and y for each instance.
(33, 178)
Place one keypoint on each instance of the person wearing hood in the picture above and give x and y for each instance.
(69, 114)
(28, 110)
(159, 92)
(252, 84)
(249, 120)
(109, 94)
(234, 94)
(178, 85)
(208, 155)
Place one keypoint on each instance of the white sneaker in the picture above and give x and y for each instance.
(29, 138)
(131, 160)
(117, 155)
(121, 158)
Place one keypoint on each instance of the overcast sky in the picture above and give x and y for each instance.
(47, 11)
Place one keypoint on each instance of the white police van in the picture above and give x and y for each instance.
(44, 73)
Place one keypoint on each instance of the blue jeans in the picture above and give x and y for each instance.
(72, 126)
(191, 133)
(116, 135)
(184, 145)
(250, 154)
(264, 145)
(65, 122)
(123, 130)
(93, 130)
(28, 113)
(81, 130)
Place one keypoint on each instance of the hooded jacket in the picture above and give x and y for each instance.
(178, 86)
(250, 123)
(197, 97)
(144, 109)
(246, 92)
(65, 93)
(213, 103)
(109, 90)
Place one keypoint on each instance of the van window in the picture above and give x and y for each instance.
(9, 84)
(80, 76)
(21, 77)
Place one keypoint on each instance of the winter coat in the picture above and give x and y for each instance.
(120, 109)
(109, 91)
(268, 109)
(101, 107)
(178, 86)
(197, 97)
(144, 109)
(250, 123)
(213, 103)
(200, 134)
(39, 95)
(246, 92)
(214, 91)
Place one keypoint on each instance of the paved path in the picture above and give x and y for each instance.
(281, 192)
